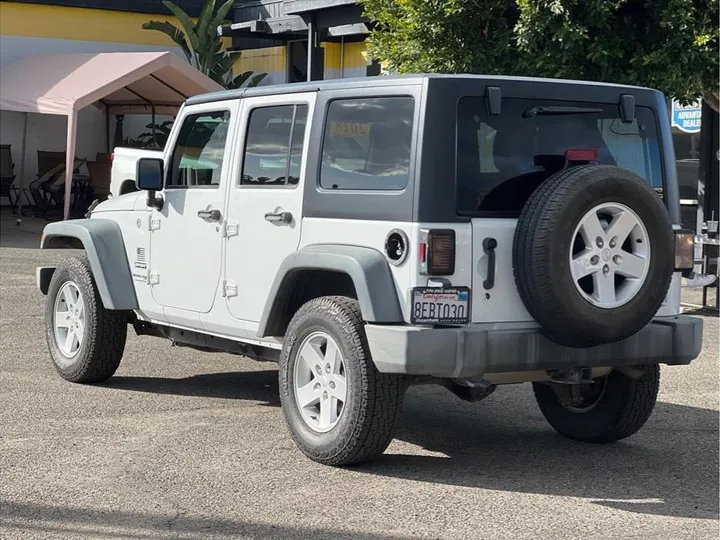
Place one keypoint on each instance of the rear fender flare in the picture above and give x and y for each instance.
(367, 268)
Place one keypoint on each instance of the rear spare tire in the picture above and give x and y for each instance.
(593, 255)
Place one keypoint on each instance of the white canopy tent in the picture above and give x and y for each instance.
(118, 83)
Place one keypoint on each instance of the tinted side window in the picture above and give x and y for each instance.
(199, 150)
(274, 146)
(367, 142)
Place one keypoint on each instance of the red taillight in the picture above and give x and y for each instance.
(421, 251)
(441, 253)
(582, 154)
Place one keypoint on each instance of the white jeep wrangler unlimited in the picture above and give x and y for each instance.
(370, 234)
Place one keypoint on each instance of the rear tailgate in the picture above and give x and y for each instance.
(503, 158)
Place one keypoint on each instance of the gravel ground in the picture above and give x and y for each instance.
(181, 444)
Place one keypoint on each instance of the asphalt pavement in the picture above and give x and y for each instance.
(181, 444)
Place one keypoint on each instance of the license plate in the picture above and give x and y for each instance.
(432, 305)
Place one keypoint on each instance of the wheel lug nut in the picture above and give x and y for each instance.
(594, 260)
(599, 242)
(606, 269)
(613, 242)
(327, 368)
(332, 385)
(617, 259)
(316, 387)
(318, 369)
(325, 395)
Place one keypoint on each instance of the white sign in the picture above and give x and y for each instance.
(686, 117)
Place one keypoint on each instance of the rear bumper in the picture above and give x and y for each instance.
(474, 350)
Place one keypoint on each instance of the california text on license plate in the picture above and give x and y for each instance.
(440, 306)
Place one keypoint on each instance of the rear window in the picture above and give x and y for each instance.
(502, 159)
(367, 144)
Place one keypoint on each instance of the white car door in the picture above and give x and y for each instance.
(265, 199)
(186, 239)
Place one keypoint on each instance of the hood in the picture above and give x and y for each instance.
(116, 204)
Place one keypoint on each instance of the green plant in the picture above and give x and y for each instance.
(160, 137)
(671, 45)
(202, 45)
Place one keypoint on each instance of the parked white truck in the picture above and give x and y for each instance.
(468, 231)
(124, 168)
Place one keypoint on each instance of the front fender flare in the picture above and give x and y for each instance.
(103, 243)
(367, 267)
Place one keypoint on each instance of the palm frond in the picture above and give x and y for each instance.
(255, 81)
(173, 32)
(221, 15)
(187, 24)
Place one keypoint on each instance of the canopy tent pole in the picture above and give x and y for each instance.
(70, 161)
(23, 144)
(107, 129)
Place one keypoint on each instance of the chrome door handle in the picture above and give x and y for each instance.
(210, 215)
(279, 217)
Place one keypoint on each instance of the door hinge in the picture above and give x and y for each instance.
(153, 223)
(154, 279)
(229, 289)
(230, 229)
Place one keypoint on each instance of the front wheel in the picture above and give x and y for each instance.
(339, 409)
(609, 409)
(85, 340)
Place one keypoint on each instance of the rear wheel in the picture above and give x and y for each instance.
(85, 340)
(339, 409)
(609, 409)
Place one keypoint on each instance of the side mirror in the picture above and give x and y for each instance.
(149, 177)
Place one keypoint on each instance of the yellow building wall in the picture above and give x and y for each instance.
(271, 60)
(105, 26)
(81, 24)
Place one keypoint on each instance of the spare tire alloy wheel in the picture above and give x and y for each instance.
(593, 255)
(611, 255)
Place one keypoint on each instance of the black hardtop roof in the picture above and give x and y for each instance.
(391, 80)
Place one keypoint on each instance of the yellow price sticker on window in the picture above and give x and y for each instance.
(349, 129)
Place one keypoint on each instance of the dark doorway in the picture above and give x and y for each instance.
(297, 61)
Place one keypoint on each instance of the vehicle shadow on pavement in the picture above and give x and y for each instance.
(59, 522)
(260, 386)
(669, 468)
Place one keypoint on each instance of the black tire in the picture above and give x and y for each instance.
(541, 250)
(105, 331)
(374, 400)
(624, 405)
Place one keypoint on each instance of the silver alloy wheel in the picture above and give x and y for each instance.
(319, 382)
(616, 245)
(69, 320)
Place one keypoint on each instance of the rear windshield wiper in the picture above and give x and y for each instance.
(548, 111)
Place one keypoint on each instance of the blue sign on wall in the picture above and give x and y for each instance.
(687, 117)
